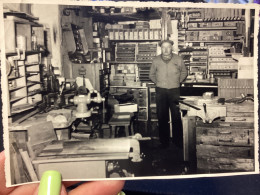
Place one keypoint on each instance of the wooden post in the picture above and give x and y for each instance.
(164, 23)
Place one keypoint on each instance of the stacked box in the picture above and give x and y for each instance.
(192, 25)
(146, 52)
(228, 32)
(215, 38)
(217, 24)
(228, 38)
(205, 25)
(125, 52)
(142, 25)
(230, 24)
(204, 38)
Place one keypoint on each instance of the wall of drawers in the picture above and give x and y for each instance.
(225, 146)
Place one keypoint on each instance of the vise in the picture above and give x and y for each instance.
(82, 102)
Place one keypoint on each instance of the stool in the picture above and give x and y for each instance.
(120, 120)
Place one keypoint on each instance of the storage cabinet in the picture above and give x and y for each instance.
(226, 146)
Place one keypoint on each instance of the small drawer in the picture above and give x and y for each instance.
(225, 136)
(224, 151)
(208, 165)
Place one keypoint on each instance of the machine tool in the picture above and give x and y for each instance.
(82, 102)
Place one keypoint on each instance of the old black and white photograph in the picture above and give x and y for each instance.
(133, 90)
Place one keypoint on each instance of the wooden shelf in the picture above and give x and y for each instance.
(17, 98)
(136, 40)
(22, 108)
(202, 20)
(116, 62)
(26, 53)
(214, 28)
(116, 17)
(33, 64)
(16, 88)
(32, 93)
(12, 78)
(23, 21)
(234, 41)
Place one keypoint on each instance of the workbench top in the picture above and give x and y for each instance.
(40, 118)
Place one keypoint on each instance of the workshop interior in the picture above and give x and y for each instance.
(79, 99)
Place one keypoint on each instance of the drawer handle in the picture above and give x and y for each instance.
(239, 119)
(225, 140)
(223, 152)
(225, 132)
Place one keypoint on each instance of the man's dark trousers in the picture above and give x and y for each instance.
(165, 99)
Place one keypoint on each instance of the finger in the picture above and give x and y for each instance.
(26, 189)
(98, 187)
(63, 190)
(3, 190)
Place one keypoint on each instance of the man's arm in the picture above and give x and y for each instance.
(184, 71)
(152, 74)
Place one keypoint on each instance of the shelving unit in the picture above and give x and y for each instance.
(212, 33)
(23, 62)
(25, 89)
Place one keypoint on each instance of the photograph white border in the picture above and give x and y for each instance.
(136, 4)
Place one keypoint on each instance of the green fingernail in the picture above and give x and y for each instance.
(50, 183)
(121, 193)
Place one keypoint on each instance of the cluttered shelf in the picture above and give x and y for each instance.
(115, 17)
(26, 53)
(130, 62)
(220, 41)
(214, 28)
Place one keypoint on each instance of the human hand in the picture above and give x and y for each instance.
(93, 187)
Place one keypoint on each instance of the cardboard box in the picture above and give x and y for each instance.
(128, 107)
(215, 38)
(192, 33)
(228, 38)
(228, 32)
(192, 38)
(205, 24)
(204, 38)
(217, 24)
(192, 25)
(233, 24)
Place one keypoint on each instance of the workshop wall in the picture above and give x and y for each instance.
(49, 16)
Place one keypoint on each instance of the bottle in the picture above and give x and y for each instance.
(34, 41)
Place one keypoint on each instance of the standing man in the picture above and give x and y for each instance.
(167, 72)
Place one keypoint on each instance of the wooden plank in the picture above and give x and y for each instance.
(224, 151)
(239, 119)
(225, 164)
(28, 164)
(247, 140)
(240, 114)
(244, 107)
(41, 133)
(16, 164)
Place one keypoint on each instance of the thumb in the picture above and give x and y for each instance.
(51, 184)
